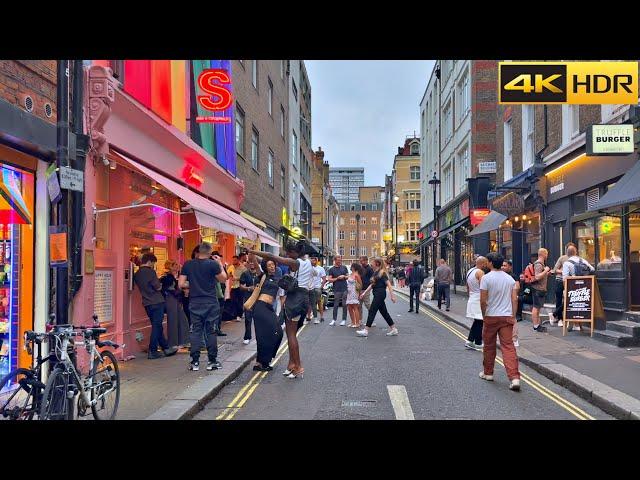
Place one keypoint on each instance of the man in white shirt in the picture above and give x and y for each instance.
(575, 266)
(499, 304)
(319, 278)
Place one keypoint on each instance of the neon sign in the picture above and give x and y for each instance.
(218, 97)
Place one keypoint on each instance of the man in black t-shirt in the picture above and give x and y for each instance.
(200, 275)
(338, 275)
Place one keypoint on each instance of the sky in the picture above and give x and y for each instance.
(361, 111)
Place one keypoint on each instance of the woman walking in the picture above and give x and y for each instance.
(379, 285)
(354, 288)
(474, 275)
(177, 323)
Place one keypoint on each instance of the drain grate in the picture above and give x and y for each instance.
(358, 403)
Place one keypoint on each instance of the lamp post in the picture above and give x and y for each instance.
(434, 182)
(357, 234)
(322, 224)
(396, 198)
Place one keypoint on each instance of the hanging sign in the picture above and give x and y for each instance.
(478, 215)
(217, 97)
(610, 139)
(53, 186)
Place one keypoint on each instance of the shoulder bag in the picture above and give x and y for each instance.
(248, 305)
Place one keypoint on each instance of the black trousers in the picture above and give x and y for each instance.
(475, 335)
(378, 305)
(559, 300)
(414, 291)
(268, 332)
(237, 300)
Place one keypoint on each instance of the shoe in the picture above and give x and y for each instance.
(306, 322)
(552, 319)
(321, 319)
(246, 342)
(362, 333)
(410, 311)
(469, 345)
(332, 323)
(478, 348)
(286, 372)
(393, 332)
(488, 378)
(238, 319)
(194, 366)
(259, 368)
(171, 351)
(373, 324)
(540, 329)
(447, 309)
(516, 343)
(515, 385)
(220, 333)
(215, 365)
(417, 311)
(299, 374)
(316, 322)
(154, 355)
(343, 323)
(560, 323)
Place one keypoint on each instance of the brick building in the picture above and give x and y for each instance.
(360, 226)
(324, 207)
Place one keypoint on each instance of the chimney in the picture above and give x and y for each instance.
(320, 154)
(400, 149)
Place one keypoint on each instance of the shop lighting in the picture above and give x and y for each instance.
(516, 219)
(565, 164)
(112, 165)
(529, 222)
(524, 217)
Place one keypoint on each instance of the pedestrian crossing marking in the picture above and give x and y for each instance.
(400, 402)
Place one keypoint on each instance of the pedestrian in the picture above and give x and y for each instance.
(380, 283)
(297, 299)
(539, 286)
(416, 278)
(248, 282)
(319, 279)
(354, 288)
(261, 303)
(402, 276)
(177, 323)
(273, 270)
(202, 274)
(235, 271)
(575, 266)
(507, 267)
(366, 281)
(185, 291)
(474, 312)
(338, 276)
(499, 302)
(556, 315)
(444, 278)
(153, 301)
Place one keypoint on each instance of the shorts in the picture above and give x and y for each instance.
(538, 298)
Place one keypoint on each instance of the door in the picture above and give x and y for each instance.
(634, 260)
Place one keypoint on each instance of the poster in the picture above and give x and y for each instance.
(579, 298)
(103, 295)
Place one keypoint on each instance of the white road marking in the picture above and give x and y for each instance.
(400, 402)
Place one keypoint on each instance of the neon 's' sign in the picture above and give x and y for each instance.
(218, 97)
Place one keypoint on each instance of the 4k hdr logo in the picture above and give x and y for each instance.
(568, 82)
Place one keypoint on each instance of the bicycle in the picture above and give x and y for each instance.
(100, 390)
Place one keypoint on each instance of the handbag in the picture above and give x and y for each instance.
(288, 283)
(248, 305)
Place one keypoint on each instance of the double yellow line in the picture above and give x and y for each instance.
(570, 407)
(245, 393)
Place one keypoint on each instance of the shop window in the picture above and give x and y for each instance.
(584, 235)
(579, 203)
(609, 243)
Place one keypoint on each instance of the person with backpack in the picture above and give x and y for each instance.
(539, 286)
(416, 277)
(575, 266)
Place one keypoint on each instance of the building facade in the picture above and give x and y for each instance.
(359, 230)
(306, 154)
(324, 206)
(345, 183)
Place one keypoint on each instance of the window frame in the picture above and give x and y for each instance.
(270, 165)
(241, 124)
(255, 162)
(254, 74)
(270, 97)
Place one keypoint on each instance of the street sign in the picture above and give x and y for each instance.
(487, 167)
(434, 233)
(71, 179)
(53, 186)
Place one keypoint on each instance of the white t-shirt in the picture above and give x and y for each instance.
(318, 273)
(569, 269)
(499, 286)
(304, 274)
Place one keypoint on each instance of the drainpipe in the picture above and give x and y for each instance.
(539, 172)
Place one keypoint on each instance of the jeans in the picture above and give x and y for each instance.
(340, 297)
(203, 319)
(502, 327)
(219, 319)
(444, 290)
(378, 305)
(156, 315)
(314, 297)
(414, 291)
(248, 318)
(558, 312)
(475, 335)
(237, 299)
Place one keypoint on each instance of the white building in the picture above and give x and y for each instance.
(294, 139)
(345, 183)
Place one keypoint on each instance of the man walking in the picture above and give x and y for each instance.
(236, 269)
(575, 266)
(444, 278)
(556, 316)
(539, 286)
(319, 277)
(338, 275)
(507, 267)
(416, 277)
(149, 285)
(499, 303)
(202, 274)
(366, 281)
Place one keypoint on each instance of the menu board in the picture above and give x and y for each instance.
(162, 256)
(582, 302)
(103, 295)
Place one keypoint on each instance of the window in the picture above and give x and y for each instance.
(528, 125)
(281, 121)
(282, 68)
(363, 208)
(341, 235)
(412, 231)
(294, 89)
(570, 122)
(254, 73)
(363, 235)
(352, 221)
(342, 251)
(413, 200)
(270, 168)
(239, 130)
(447, 183)
(463, 101)
(415, 172)
(363, 251)
(255, 141)
(294, 149)
(270, 97)
(374, 235)
(352, 250)
(462, 169)
(508, 146)
(585, 238)
(282, 182)
(374, 207)
(374, 221)
(609, 243)
(448, 122)
(352, 236)
(374, 252)
(341, 221)
(415, 149)
(342, 207)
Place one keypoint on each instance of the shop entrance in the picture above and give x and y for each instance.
(634, 260)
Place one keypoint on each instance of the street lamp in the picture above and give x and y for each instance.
(357, 234)
(396, 198)
(434, 182)
(322, 224)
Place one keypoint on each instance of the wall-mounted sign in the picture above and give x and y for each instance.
(487, 167)
(71, 179)
(89, 263)
(103, 295)
(53, 186)
(610, 139)
(387, 235)
(58, 245)
(478, 215)
(509, 204)
(217, 97)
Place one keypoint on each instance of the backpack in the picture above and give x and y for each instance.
(529, 274)
(580, 268)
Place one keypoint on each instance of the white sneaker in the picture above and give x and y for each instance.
(362, 333)
(488, 378)
(469, 345)
(393, 332)
(552, 319)
(306, 322)
(246, 342)
(283, 326)
(479, 348)
(516, 343)
(343, 323)
(332, 323)
(238, 319)
(560, 323)
(373, 324)
(515, 385)
(316, 321)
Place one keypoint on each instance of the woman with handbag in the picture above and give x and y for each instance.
(379, 284)
(177, 323)
(297, 288)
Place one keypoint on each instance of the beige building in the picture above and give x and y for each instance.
(324, 207)
(406, 186)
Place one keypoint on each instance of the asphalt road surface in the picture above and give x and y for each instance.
(423, 373)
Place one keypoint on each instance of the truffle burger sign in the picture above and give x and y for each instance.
(609, 139)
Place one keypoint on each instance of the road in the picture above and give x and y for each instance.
(423, 373)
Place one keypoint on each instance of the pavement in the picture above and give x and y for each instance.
(423, 373)
(603, 374)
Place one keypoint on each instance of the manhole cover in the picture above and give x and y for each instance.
(358, 403)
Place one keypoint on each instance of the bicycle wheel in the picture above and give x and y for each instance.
(18, 395)
(106, 387)
(55, 404)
